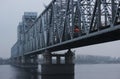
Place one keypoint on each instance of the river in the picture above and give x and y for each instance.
(86, 71)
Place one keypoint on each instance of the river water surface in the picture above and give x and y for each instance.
(88, 71)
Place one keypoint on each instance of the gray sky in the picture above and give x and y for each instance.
(11, 12)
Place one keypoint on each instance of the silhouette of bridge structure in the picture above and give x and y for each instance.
(66, 24)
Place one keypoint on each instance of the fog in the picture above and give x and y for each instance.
(11, 12)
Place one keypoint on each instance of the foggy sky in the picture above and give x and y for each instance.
(11, 12)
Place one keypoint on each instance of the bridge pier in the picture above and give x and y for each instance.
(27, 62)
(30, 62)
(47, 58)
(16, 61)
(50, 67)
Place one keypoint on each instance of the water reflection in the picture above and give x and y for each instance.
(57, 77)
(57, 71)
(18, 73)
(24, 73)
(98, 71)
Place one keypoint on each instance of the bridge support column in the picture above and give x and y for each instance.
(16, 61)
(34, 61)
(69, 57)
(58, 59)
(28, 62)
(47, 57)
(49, 67)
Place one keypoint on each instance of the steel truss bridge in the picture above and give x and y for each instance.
(66, 24)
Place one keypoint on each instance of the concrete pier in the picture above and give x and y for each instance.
(58, 68)
(27, 62)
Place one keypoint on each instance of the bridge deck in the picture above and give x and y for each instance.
(106, 35)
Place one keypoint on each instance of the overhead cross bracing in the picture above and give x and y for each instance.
(68, 24)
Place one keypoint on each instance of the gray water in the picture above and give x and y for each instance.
(96, 71)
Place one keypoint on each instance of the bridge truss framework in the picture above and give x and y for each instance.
(65, 22)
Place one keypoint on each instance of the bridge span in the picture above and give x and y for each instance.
(66, 24)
